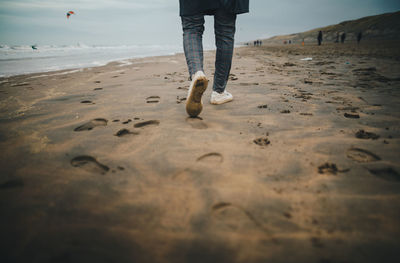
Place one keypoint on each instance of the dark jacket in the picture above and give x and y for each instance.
(208, 7)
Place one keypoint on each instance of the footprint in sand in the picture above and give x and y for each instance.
(124, 132)
(153, 99)
(90, 164)
(92, 124)
(348, 108)
(321, 63)
(219, 206)
(97, 88)
(197, 123)
(263, 141)
(249, 84)
(361, 134)
(211, 157)
(146, 123)
(351, 115)
(303, 97)
(387, 173)
(13, 183)
(362, 156)
(87, 102)
(288, 64)
(330, 168)
(233, 77)
(179, 100)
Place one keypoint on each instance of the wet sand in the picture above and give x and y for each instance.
(103, 164)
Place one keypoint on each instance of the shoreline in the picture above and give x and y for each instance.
(391, 44)
(121, 61)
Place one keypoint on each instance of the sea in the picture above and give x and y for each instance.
(17, 60)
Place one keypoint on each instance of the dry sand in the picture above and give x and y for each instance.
(103, 165)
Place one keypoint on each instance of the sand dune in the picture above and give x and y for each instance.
(378, 27)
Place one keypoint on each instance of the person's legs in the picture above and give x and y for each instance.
(193, 28)
(224, 27)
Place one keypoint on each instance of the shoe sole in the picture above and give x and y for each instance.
(193, 103)
(222, 102)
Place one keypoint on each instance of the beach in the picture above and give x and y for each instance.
(103, 164)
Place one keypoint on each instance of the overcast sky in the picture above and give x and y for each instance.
(125, 22)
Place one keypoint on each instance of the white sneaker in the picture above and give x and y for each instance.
(193, 102)
(220, 98)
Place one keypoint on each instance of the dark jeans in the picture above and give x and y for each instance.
(224, 28)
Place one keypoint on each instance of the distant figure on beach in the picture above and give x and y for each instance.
(337, 37)
(192, 14)
(319, 38)
(343, 37)
(359, 36)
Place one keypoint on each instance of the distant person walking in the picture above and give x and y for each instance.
(319, 38)
(192, 14)
(337, 37)
(343, 37)
(359, 36)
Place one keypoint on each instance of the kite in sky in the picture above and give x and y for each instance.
(70, 13)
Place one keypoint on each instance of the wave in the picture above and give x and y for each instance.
(21, 59)
(78, 46)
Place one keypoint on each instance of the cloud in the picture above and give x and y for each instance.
(83, 4)
(155, 21)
